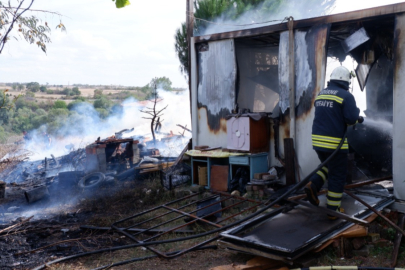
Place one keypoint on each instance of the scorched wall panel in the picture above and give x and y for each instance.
(398, 141)
(216, 91)
(310, 66)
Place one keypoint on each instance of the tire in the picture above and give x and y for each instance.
(91, 180)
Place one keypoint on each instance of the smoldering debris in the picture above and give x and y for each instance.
(45, 199)
(36, 186)
(84, 124)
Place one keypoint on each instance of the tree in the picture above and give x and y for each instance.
(67, 91)
(5, 102)
(102, 103)
(73, 104)
(155, 115)
(33, 86)
(162, 83)
(121, 3)
(181, 48)
(42, 89)
(31, 28)
(76, 91)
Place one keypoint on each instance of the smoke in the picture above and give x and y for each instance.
(382, 126)
(268, 13)
(84, 125)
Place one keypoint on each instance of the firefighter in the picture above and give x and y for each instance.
(335, 109)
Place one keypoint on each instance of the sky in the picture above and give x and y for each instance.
(109, 46)
(102, 45)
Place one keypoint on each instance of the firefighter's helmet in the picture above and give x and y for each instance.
(341, 74)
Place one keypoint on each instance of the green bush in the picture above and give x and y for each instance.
(80, 98)
(102, 103)
(72, 104)
(103, 113)
(60, 104)
(3, 135)
(40, 112)
(39, 120)
(22, 120)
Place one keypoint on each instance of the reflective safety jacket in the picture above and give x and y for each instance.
(335, 109)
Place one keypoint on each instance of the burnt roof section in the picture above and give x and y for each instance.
(365, 14)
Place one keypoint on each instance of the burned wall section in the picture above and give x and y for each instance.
(399, 108)
(216, 90)
(380, 89)
(310, 67)
(308, 44)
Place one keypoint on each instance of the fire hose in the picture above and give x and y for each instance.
(267, 204)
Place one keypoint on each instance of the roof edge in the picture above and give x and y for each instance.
(336, 18)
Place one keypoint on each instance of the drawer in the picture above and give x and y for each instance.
(240, 160)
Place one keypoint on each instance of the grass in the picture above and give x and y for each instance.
(381, 252)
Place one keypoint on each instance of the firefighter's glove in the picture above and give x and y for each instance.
(360, 120)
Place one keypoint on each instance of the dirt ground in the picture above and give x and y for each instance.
(58, 227)
(53, 228)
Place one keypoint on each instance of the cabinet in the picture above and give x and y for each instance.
(207, 162)
(257, 163)
(246, 134)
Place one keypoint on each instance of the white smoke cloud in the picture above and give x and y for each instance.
(258, 17)
(297, 9)
(84, 125)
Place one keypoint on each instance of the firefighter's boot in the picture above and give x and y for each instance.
(312, 193)
(340, 210)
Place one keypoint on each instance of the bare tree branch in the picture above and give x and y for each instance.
(16, 16)
(155, 114)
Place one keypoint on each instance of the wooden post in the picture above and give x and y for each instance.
(289, 161)
(190, 29)
(291, 72)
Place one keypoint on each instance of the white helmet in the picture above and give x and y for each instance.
(341, 74)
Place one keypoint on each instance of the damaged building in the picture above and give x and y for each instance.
(252, 93)
(249, 71)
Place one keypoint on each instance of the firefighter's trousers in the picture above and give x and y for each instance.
(334, 172)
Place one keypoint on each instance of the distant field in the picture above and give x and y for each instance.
(86, 92)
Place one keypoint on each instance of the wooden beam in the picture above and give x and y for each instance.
(289, 161)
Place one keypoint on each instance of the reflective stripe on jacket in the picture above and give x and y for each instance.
(335, 109)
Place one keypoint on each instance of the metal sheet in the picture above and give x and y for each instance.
(310, 51)
(362, 72)
(212, 207)
(297, 231)
(216, 91)
(283, 72)
(354, 40)
(193, 75)
(398, 145)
